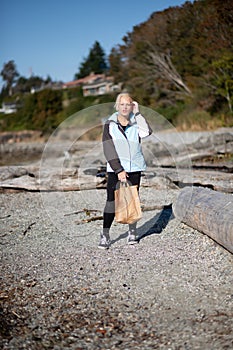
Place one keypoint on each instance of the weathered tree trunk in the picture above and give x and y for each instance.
(157, 62)
(208, 211)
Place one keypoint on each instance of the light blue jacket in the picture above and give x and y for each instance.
(122, 148)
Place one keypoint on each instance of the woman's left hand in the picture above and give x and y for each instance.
(135, 107)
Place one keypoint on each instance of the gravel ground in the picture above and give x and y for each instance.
(173, 290)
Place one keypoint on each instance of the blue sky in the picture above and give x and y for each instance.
(52, 37)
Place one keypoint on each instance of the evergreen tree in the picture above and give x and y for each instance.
(95, 62)
(9, 74)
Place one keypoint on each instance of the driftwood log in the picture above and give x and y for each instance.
(208, 211)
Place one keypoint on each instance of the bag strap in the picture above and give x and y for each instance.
(124, 184)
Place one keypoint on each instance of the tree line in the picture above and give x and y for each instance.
(178, 62)
(181, 57)
(95, 62)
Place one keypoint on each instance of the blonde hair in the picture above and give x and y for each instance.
(118, 99)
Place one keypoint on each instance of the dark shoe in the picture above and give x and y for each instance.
(104, 242)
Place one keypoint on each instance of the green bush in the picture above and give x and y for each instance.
(171, 112)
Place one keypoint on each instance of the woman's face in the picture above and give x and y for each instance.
(125, 106)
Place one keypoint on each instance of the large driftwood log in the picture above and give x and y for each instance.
(31, 178)
(207, 211)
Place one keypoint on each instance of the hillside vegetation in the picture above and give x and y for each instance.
(179, 63)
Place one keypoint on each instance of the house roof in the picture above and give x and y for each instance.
(98, 82)
(86, 80)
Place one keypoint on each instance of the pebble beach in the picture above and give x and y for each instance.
(173, 290)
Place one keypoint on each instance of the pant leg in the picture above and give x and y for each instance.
(135, 178)
(109, 210)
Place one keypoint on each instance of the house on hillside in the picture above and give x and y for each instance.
(8, 107)
(100, 86)
(49, 86)
(94, 84)
(79, 82)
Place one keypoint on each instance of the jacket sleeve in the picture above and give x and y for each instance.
(110, 151)
(144, 128)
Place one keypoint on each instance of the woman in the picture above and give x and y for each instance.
(122, 148)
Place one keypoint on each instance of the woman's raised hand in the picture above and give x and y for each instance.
(135, 107)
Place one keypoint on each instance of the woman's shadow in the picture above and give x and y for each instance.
(154, 226)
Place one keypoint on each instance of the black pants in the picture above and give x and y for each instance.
(109, 210)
